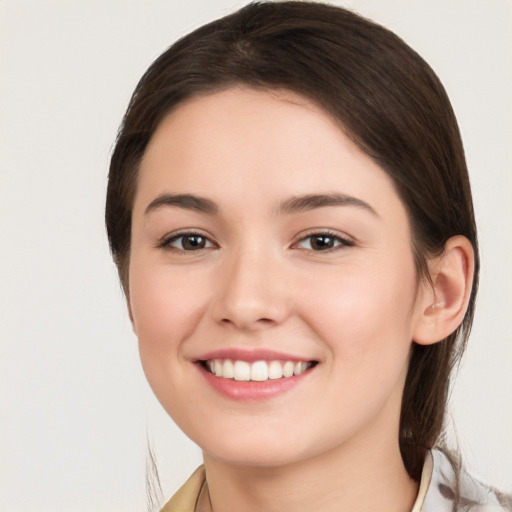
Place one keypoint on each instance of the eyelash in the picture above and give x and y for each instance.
(166, 243)
(339, 241)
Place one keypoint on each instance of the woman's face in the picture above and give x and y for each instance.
(265, 242)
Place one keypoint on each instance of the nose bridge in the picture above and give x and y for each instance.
(251, 291)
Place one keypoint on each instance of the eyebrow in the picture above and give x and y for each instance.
(186, 201)
(297, 204)
(312, 201)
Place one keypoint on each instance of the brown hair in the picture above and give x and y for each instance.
(386, 99)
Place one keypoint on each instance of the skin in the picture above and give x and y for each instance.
(331, 442)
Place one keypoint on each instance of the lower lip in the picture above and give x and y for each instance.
(252, 390)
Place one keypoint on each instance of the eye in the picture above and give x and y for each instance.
(188, 242)
(323, 242)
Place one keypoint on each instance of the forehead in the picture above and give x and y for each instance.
(249, 143)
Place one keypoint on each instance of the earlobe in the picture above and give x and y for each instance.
(445, 300)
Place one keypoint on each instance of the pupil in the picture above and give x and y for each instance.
(322, 242)
(193, 242)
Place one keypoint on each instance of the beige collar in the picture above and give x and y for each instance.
(426, 476)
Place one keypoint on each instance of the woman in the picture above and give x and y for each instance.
(291, 216)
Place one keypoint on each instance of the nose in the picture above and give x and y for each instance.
(252, 291)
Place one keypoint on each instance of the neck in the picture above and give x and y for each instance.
(354, 477)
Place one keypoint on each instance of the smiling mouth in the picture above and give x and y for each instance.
(257, 371)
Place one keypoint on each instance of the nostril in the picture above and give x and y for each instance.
(260, 321)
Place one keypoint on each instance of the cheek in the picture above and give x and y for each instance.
(365, 310)
(165, 307)
(365, 321)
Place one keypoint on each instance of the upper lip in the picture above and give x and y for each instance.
(251, 355)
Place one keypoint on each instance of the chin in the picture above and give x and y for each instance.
(253, 451)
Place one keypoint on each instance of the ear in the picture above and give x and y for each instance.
(443, 302)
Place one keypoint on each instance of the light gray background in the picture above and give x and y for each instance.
(74, 403)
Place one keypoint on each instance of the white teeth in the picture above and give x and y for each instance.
(288, 369)
(275, 370)
(242, 370)
(228, 371)
(299, 367)
(258, 371)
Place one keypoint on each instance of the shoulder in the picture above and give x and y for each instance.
(473, 495)
(186, 498)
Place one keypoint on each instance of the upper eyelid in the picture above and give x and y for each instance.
(345, 242)
(169, 237)
(324, 231)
